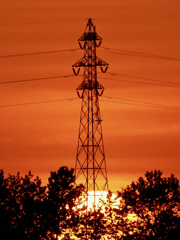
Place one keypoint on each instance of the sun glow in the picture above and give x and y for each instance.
(96, 200)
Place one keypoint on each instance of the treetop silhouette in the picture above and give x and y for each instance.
(146, 209)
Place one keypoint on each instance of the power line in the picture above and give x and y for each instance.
(143, 78)
(140, 103)
(39, 102)
(143, 102)
(97, 19)
(129, 81)
(38, 53)
(107, 50)
(138, 23)
(37, 79)
(139, 53)
(136, 54)
(128, 102)
(142, 55)
(169, 84)
(42, 22)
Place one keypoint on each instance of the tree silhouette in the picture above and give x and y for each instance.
(30, 211)
(105, 222)
(62, 194)
(91, 225)
(5, 211)
(21, 205)
(115, 215)
(147, 209)
(154, 205)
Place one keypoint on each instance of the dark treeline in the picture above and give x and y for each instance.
(146, 209)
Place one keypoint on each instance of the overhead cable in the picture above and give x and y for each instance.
(39, 102)
(167, 84)
(38, 53)
(143, 78)
(139, 103)
(109, 99)
(136, 54)
(37, 79)
(146, 83)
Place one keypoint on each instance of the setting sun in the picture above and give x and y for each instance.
(100, 197)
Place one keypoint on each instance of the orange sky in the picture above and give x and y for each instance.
(43, 137)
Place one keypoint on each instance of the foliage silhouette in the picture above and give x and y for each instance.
(91, 225)
(155, 205)
(62, 195)
(30, 211)
(21, 202)
(115, 216)
(147, 209)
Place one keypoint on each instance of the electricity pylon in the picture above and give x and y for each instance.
(90, 168)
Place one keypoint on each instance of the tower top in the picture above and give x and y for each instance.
(89, 41)
(90, 26)
(90, 32)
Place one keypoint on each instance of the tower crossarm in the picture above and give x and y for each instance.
(84, 62)
(86, 85)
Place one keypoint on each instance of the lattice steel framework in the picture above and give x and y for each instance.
(90, 168)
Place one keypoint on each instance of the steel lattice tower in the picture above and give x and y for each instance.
(90, 168)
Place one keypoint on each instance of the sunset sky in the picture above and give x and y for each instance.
(141, 120)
